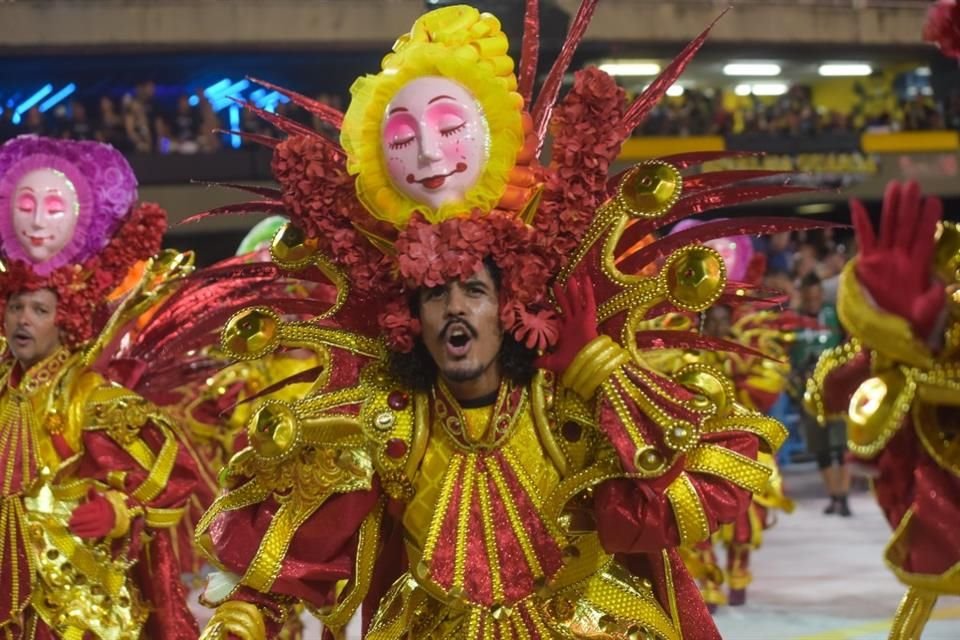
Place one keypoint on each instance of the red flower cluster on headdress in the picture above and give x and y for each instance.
(82, 289)
(943, 27)
(430, 254)
(319, 194)
(586, 142)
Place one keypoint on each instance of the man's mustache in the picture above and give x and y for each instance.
(450, 323)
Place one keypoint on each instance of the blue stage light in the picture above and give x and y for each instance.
(193, 101)
(235, 126)
(27, 104)
(57, 97)
(216, 88)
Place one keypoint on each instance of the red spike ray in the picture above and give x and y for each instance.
(686, 160)
(717, 179)
(728, 197)
(543, 107)
(240, 208)
(264, 192)
(328, 114)
(653, 94)
(256, 138)
(715, 229)
(308, 375)
(704, 201)
(529, 51)
(687, 340)
(286, 125)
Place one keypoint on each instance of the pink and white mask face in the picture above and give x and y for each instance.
(44, 212)
(435, 140)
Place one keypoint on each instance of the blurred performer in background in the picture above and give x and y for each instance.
(755, 359)
(440, 473)
(760, 374)
(826, 441)
(94, 477)
(896, 382)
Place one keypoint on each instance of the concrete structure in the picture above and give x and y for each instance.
(330, 24)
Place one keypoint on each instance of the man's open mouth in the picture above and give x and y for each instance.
(458, 341)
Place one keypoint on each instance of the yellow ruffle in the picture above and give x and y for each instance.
(463, 45)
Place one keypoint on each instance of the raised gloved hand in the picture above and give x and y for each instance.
(578, 322)
(94, 518)
(896, 266)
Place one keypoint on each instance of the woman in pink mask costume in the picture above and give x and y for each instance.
(93, 479)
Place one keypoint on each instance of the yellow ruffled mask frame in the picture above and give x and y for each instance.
(465, 46)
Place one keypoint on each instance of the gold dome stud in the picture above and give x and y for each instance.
(251, 333)
(274, 429)
(694, 278)
(650, 189)
(291, 248)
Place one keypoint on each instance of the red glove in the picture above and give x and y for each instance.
(95, 518)
(578, 323)
(896, 266)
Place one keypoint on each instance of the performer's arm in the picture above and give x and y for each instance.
(686, 460)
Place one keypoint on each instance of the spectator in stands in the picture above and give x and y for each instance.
(80, 127)
(186, 124)
(7, 128)
(208, 138)
(137, 125)
(33, 123)
(110, 127)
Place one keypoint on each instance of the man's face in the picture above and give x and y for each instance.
(29, 326)
(434, 140)
(461, 329)
(44, 211)
(811, 299)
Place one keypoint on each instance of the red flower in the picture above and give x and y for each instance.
(943, 27)
(535, 330)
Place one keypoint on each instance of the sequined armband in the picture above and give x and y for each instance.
(593, 365)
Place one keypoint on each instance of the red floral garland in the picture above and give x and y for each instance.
(586, 142)
(82, 289)
(319, 195)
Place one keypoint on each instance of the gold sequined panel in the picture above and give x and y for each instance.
(609, 605)
(473, 539)
(80, 587)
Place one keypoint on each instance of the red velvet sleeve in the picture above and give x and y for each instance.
(103, 455)
(635, 516)
(321, 552)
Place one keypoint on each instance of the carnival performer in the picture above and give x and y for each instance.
(896, 383)
(94, 478)
(759, 376)
(441, 474)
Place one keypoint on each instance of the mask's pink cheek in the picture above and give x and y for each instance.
(397, 167)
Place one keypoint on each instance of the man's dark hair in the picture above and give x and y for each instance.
(810, 280)
(418, 370)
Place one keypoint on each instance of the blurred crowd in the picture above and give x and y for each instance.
(795, 114)
(139, 122)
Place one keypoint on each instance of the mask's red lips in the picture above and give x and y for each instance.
(435, 182)
(37, 241)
